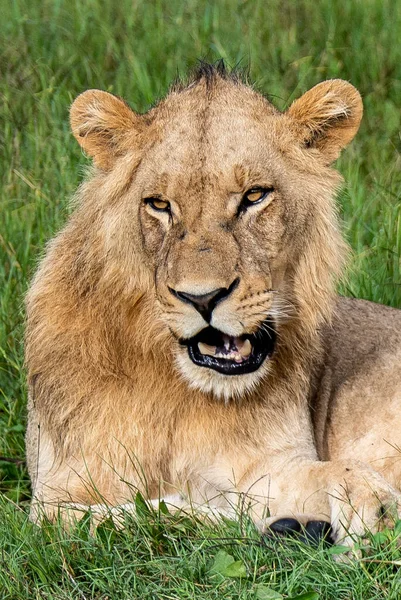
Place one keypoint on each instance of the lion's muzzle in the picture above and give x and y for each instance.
(205, 303)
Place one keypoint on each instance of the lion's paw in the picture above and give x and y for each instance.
(360, 501)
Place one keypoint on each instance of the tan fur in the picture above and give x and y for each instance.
(115, 403)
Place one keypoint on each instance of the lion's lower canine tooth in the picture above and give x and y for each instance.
(206, 349)
(245, 349)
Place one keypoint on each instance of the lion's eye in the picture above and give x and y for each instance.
(158, 204)
(254, 196)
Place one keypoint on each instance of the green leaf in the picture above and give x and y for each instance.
(106, 531)
(221, 561)
(18, 428)
(397, 529)
(163, 508)
(141, 507)
(306, 596)
(381, 537)
(265, 593)
(225, 565)
(236, 569)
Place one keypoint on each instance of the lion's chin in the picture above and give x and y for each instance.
(221, 386)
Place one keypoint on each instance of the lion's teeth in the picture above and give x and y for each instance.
(242, 351)
(206, 349)
(245, 349)
(226, 341)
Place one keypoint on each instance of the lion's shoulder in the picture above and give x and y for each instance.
(360, 337)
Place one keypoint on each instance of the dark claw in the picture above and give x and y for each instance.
(316, 531)
(286, 527)
(312, 533)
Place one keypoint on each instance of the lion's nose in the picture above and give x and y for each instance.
(205, 303)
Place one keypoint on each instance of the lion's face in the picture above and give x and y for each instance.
(215, 226)
(222, 195)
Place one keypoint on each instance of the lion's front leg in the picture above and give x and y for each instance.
(349, 495)
(71, 513)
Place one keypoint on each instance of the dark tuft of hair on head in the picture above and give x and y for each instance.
(210, 73)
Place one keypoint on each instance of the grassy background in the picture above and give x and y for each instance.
(51, 50)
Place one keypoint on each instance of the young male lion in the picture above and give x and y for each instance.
(184, 338)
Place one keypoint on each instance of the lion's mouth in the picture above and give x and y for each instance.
(232, 355)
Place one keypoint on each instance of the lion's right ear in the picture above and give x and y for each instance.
(102, 124)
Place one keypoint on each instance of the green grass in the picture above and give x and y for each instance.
(49, 52)
(162, 557)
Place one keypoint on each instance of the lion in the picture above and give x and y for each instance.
(184, 335)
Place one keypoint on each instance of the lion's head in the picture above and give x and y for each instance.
(218, 208)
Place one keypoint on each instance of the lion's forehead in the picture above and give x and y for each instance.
(224, 135)
(194, 126)
(224, 152)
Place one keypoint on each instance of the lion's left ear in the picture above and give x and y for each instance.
(328, 116)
